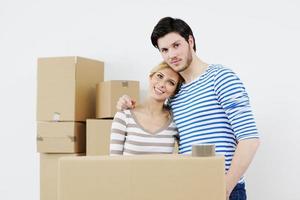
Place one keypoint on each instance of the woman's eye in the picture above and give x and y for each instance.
(172, 83)
(160, 76)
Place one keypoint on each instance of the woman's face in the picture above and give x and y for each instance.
(163, 84)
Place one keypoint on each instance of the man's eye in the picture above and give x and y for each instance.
(164, 50)
(176, 45)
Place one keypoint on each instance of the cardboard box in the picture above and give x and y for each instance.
(49, 175)
(108, 94)
(61, 137)
(98, 136)
(159, 177)
(66, 88)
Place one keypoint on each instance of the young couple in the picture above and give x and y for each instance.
(207, 104)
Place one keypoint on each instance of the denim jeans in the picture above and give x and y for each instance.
(239, 192)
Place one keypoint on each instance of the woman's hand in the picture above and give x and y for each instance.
(125, 102)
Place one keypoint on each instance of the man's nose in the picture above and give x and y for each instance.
(172, 53)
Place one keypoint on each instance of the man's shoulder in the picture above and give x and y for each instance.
(219, 70)
(218, 67)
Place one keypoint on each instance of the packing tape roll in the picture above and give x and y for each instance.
(203, 150)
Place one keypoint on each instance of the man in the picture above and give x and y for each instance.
(211, 106)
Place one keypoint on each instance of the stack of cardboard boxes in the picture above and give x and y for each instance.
(71, 90)
(66, 98)
(75, 108)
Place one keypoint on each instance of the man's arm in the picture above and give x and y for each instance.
(235, 102)
(241, 160)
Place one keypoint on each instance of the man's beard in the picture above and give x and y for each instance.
(188, 62)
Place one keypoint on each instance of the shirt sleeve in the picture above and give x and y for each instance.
(118, 134)
(234, 99)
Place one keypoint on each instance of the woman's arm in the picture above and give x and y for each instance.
(118, 134)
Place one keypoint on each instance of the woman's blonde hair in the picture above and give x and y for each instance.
(164, 65)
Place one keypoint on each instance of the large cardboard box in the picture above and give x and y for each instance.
(66, 88)
(159, 177)
(98, 136)
(49, 175)
(61, 137)
(108, 94)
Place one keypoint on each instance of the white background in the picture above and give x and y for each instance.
(257, 39)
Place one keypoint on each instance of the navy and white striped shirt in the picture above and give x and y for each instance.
(213, 109)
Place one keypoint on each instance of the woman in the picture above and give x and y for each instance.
(149, 127)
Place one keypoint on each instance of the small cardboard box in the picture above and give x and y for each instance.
(108, 94)
(98, 136)
(61, 137)
(49, 175)
(167, 177)
(66, 89)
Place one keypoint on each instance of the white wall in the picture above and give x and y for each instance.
(257, 39)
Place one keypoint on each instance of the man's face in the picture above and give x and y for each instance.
(176, 51)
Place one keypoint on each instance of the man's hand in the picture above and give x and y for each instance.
(241, 160)
(125, 102)
(228, 189)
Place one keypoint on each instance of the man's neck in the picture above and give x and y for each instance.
(196, 68)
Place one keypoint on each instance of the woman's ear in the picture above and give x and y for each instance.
(167, 103)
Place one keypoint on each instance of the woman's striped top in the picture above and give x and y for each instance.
(128, 137)
(213, 109)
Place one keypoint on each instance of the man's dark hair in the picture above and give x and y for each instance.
(168, 25)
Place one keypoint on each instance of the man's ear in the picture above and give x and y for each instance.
(191, 41)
